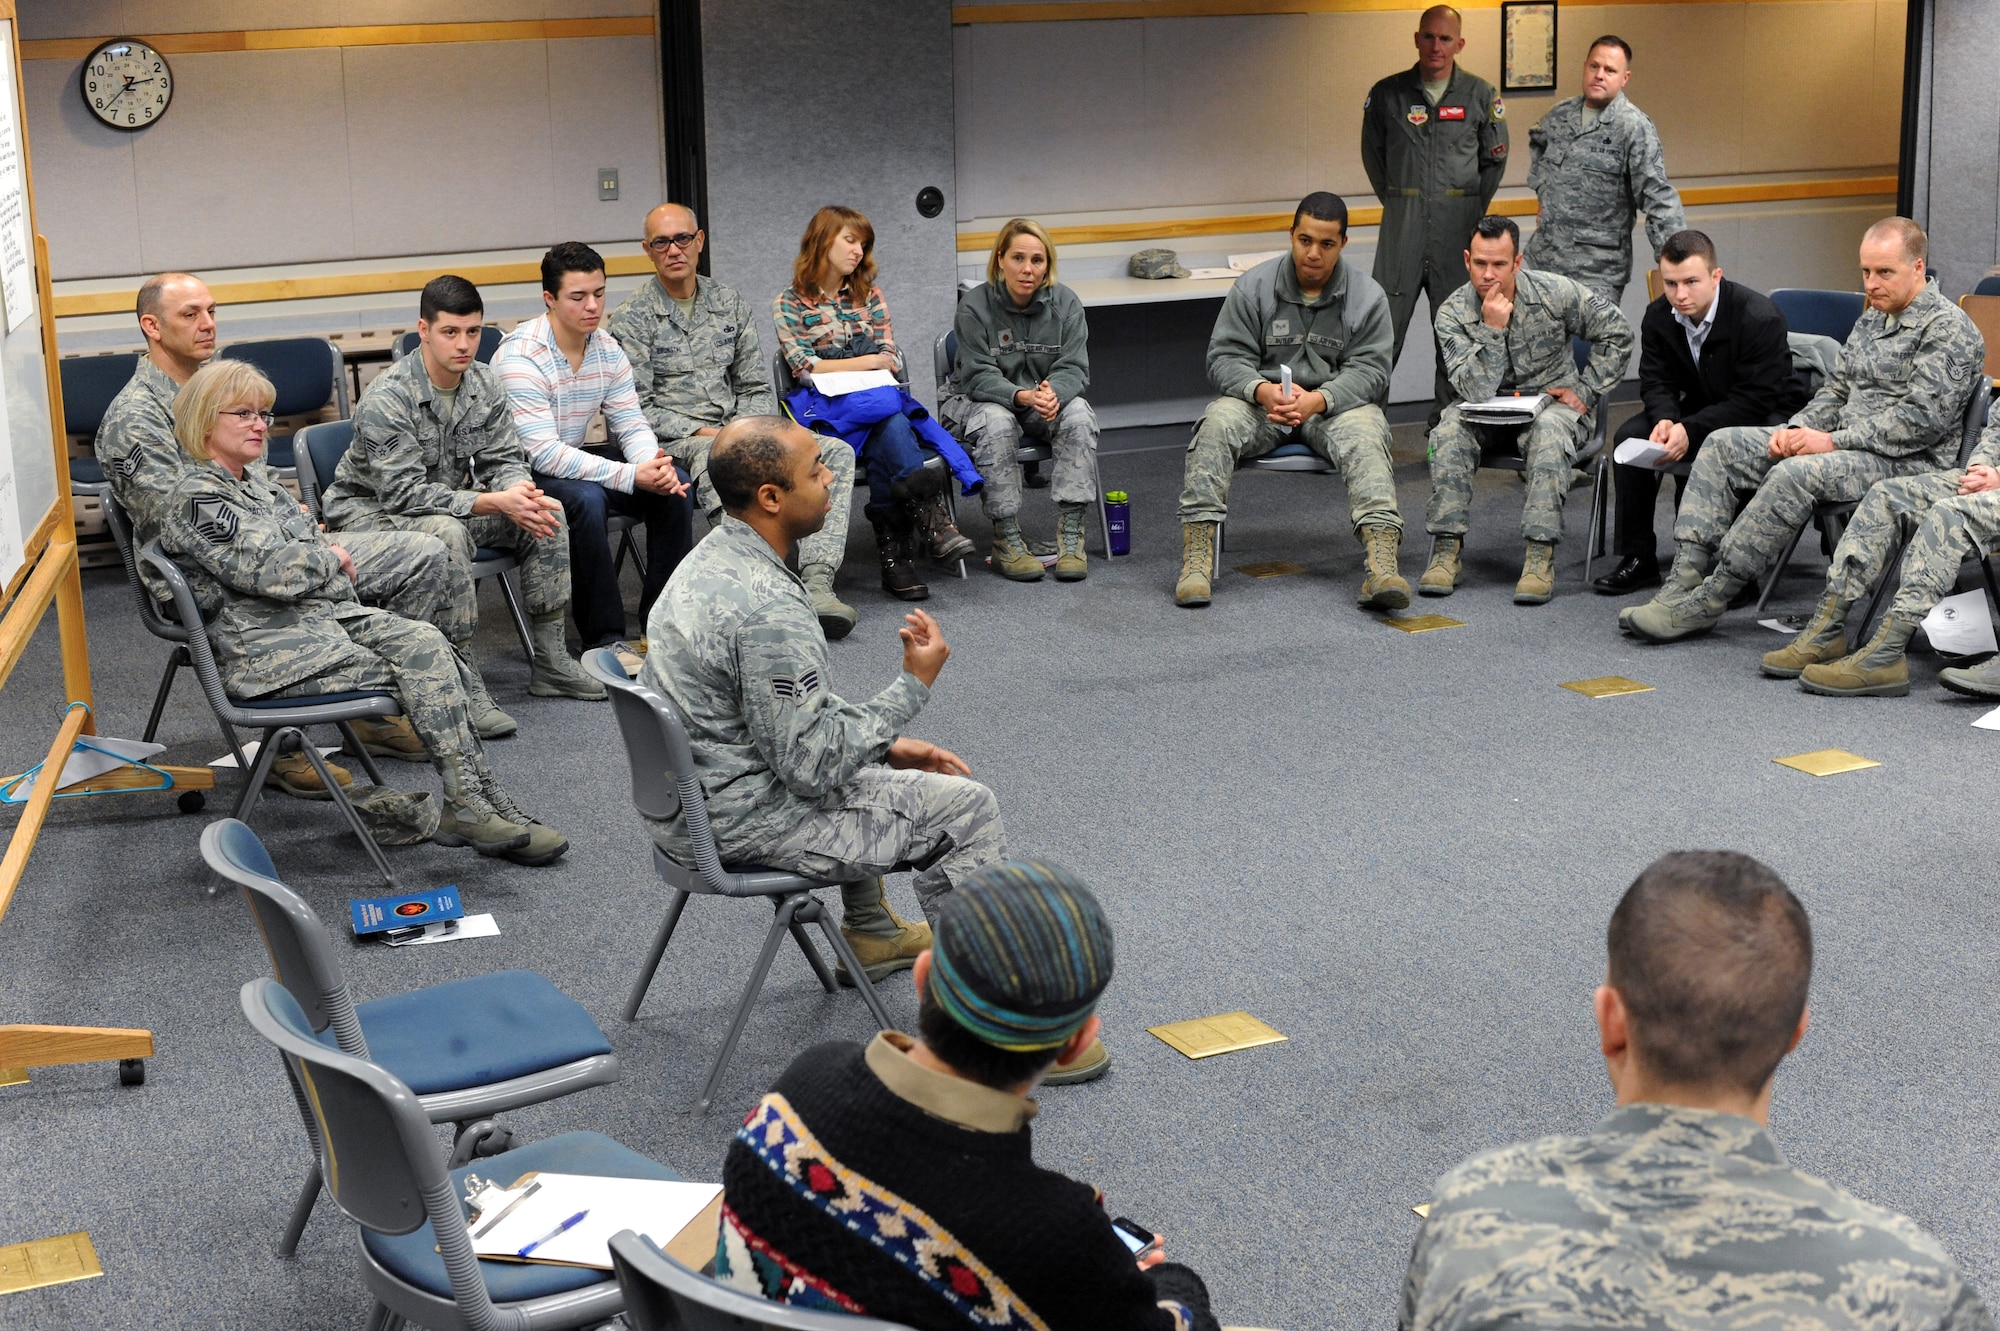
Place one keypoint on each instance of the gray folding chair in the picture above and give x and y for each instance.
(379, 1155)
(150, 614)
(471, 1048)
(665, 782)
(663, 1295)
(944, 357)
(283, 720)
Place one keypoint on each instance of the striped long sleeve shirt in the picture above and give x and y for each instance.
(553, 405)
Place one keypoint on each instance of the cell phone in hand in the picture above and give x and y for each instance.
(1285, 382)
(1135, 1236)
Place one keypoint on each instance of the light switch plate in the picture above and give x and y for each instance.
(607, 184)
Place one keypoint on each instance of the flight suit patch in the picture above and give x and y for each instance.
(1418, 115)
(1451, 113)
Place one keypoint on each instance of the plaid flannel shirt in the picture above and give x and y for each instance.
(808, 329)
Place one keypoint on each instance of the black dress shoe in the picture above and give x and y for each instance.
(1632, 574)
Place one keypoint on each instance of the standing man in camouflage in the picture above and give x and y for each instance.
(1509, 331)
(1597, 165)
(1434, 144)
(1894, 407)
(1300, 352)
(697, 364)
(1679, 1210)
(796, 777)
(435, 451)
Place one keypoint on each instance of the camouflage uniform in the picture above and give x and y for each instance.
(793, 773)
(1337, 344)
(1532, 354)
(1591, 183)
(284, 620)
(703, 371)
(1666, 1217)
(1002, 349)
(408, 471)
(1894, 407)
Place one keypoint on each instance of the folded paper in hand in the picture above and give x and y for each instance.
(842, 382)
(1642, 453)
(653, 1207)
(1512, 410)
(1959, 625)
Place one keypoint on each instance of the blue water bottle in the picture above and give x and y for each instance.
(1118, 514)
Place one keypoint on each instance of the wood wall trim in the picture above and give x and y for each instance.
(974, 242)
(396, 34)
(340, 284)
(1087, 10)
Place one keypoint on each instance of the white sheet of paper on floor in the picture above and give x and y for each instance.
(1990, 721)
(250, 754)
(1641, 453)
(1779, 626)
(657, 1209)
(842, 382)
(1960, 625)
(450, 931)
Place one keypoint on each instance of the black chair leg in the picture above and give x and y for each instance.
(659, 949)
(1992, 586)
(1895, 564)
(302, 1210)
(811, 913)
(361, 754)
(346, 808)
(174, 664)
(861, 980)
(1778, 569)
(259, 771)
(779, 928)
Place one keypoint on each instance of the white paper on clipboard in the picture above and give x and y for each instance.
(17, 251)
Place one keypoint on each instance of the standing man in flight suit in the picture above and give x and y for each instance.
(1434, 144)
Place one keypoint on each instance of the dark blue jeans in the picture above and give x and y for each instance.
(891, 453)
(594, 598)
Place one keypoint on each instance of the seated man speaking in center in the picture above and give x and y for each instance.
(1328, 325)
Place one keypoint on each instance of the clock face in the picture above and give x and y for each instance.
(126, 84)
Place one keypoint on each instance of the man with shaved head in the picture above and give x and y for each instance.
(1679, 1210)
(1894, 406)
(697, 365)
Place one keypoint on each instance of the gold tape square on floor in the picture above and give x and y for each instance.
(1827, 762)
(1277, 568)
(1224, 1034)
(55, 1261)
(1423, 1209)
(1607, 686)
(13, 1076)
(1425, 623)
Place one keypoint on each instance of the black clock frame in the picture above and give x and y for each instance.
(83, 83)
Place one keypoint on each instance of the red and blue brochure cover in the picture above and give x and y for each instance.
(372, 915)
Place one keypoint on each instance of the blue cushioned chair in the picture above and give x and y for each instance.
(664, 782)
(663, 1295)
(283, 720)
(320, 449)
(380, 1159)
(88, 385)
(468, 1049)
(310, 375)
(489, 342)
(1987, 286)
(1829, 313)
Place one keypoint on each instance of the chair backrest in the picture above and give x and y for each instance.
(1976, 414)
(150, 614)
(782, 382)
(663, 1295)
(201, 652)
(1653, 284)
(489, 342)
(1988, 285)
(1828, 313)
(944, 358)
(308, 372)
(302, 956)
(317, 451)
(88, 385)
(1984, 311)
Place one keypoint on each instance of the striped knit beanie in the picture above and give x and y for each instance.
(1021, 953)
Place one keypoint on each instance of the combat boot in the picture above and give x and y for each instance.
(555, 673)
(468, 820)
(1880, 669)
(1010, 555)
(488, 721)
(1822, 640)
(1690, 569)
(545, 845)
(1384, 587)
(1671, 617)
(936, 537)
(1980, 681)
(836, 617)
(1537, 585)
(1197, 563)
(1070, 563)
(293, 773)
(1090, 1063)
(394, 738)
(899, 575)
(883, 942)
(1443, 572)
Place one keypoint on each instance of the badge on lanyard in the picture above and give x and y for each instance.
(1419, 115)
(1451, 113)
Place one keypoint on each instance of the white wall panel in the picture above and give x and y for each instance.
(86, 186)
(604, 111)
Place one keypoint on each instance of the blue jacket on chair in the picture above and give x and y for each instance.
(852, 416)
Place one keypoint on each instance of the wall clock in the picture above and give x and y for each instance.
(126, 84)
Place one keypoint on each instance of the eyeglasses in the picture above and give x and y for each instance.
(661, 244)
(246, 415)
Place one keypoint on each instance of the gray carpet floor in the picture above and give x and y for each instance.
(1400, 850)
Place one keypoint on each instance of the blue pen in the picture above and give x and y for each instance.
(564, 1227)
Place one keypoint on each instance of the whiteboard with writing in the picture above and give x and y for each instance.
(27, 459)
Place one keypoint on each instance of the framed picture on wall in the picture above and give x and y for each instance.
(1528, 46)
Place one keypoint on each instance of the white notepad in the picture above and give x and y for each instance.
(842, 382)
(657, 1209)
(1515, 409)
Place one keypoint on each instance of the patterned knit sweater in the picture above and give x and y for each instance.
(840, 1194)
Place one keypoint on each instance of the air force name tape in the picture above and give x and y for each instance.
(797, 689)
(212, 520)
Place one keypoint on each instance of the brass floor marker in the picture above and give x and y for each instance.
(1224, 1034)
(1425, 623)
(55, 1261)
(13, 1076)
(1423, 1209)
(1277, 568)
(1827, 762)
(1609, 686)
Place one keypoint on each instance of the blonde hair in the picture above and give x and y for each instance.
(1021, 226)
(215, 386)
